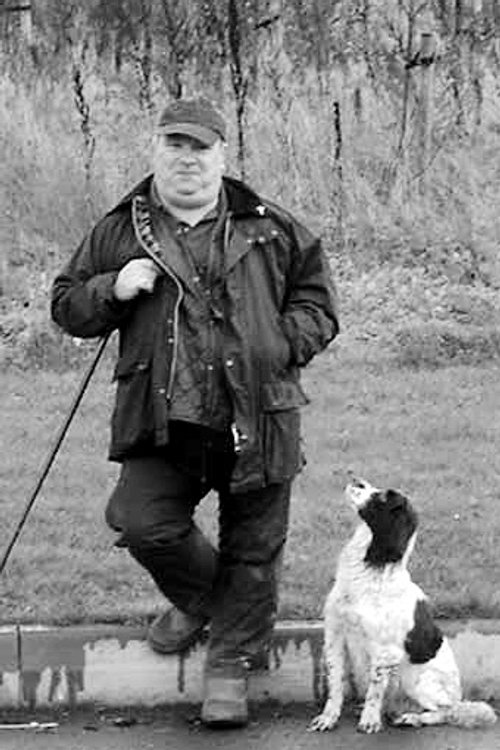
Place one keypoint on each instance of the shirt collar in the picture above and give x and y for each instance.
(214, 212)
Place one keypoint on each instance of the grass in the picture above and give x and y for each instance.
(407, 397)
(435, 435)
(432, 433)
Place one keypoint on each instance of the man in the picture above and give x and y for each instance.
(219, 297)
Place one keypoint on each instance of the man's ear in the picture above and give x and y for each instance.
(154, 142)
(223, 147)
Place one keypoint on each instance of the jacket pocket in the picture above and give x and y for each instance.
(280, 403)
(132, 421)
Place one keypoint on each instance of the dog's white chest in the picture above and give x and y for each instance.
(378, 612)
(375, 618)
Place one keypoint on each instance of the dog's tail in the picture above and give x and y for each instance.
(471, 714)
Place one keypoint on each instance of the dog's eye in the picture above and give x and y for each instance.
(358, 484)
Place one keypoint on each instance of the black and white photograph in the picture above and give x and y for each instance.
(250, 359)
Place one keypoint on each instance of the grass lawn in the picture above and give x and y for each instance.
(432, 433)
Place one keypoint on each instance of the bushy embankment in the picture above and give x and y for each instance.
(419, 271)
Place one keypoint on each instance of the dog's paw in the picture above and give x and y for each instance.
(324, 722)
(370, 722)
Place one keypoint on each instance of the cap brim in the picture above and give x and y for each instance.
(198, 132)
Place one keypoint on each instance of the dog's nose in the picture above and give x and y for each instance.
(351, 476)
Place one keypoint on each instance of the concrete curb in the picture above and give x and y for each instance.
(113, 665)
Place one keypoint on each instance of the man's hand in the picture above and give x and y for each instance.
(139, 275)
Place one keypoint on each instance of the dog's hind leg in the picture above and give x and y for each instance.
(467, 714)
(420, 719)
(334, 658)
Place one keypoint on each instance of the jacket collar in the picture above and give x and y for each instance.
(242, 200)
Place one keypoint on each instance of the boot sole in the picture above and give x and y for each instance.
(219, 715)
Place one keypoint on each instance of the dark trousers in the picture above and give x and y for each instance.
(235, 586)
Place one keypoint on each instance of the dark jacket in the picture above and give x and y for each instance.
(281, 312)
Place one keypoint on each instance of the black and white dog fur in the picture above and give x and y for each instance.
(379, 633)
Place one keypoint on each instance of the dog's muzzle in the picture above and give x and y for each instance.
(358, 492)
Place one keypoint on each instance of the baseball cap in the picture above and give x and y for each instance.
(196, 118)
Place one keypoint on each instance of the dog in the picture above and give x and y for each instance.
(378, 629)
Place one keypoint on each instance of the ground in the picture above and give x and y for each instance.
(271, 727)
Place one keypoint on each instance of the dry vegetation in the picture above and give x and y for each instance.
(411, 229)
(409, 392)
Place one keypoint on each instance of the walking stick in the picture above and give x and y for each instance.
(55, 448)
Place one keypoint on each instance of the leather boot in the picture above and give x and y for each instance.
(225, 702)
(174, 631)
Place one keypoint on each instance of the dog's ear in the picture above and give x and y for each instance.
(396, 501)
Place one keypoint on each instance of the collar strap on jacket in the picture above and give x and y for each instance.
(143, 227)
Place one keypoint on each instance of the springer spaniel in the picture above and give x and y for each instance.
(379, 631)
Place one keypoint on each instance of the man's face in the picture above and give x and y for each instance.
(188, 174)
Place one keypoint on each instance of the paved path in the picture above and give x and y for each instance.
(271, 728)
(111, 665)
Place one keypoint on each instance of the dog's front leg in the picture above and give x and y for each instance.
(334, 657)
(371, 716)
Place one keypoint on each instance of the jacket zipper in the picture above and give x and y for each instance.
(239, 438)
(212, 333)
